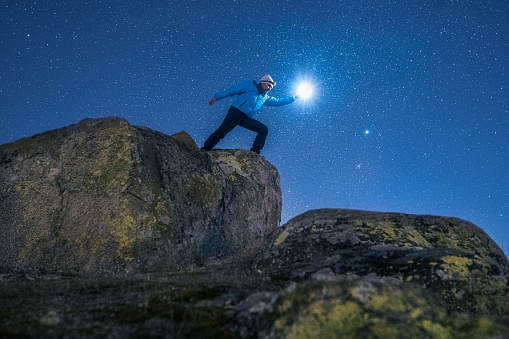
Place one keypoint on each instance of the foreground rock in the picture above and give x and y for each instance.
(105, 196)
(232, 303)
(447, 255)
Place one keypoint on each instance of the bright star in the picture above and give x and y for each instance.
(305, 90)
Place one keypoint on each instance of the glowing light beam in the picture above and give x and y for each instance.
(305, 90)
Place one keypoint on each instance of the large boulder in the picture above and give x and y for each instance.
(106, 196)
(450, 256)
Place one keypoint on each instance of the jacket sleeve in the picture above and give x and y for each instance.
(271, 101)
(235, 90)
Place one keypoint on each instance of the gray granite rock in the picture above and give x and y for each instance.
(105, 196)
(448, 255)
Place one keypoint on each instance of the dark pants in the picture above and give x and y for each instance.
(233, 118)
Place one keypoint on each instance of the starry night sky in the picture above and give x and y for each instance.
(410, 112)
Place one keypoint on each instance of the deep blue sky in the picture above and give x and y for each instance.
(427, 79)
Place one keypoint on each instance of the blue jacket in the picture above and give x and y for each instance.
(250, 97)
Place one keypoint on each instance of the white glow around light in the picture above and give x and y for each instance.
(305, 90)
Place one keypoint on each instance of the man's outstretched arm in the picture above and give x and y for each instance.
(271, 101)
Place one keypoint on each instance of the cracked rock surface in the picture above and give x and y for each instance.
(113, 230)
(443, 254)
(103, 196)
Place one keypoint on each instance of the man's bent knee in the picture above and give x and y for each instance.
(263, 130)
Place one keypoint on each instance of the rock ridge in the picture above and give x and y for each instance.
(114, 230)
(448, 255)
(105, 196)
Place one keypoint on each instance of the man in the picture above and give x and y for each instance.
(251, 95)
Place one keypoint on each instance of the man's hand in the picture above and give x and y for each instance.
(212, 101)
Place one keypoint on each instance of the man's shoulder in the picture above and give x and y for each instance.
(249, 85)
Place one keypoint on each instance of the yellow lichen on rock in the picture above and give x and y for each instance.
(111, 167)
(457, 265)
(330, 310)
(204, 189)
(416, 239)
(234, 163)
(322, 322)
(281, 238)
(89, 242)
(243, 162)
(123, 227)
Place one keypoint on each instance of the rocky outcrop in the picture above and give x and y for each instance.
(232, 303)
(373, 307)
(448, 255)
(106, 196)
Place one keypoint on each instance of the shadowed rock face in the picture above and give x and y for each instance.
(106, 196)
(443, 254)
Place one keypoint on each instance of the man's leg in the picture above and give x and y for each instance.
(232, 119)
(258, 127)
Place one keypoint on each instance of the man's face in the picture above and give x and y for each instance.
(266, 87)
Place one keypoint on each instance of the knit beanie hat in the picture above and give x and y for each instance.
(268, 80)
